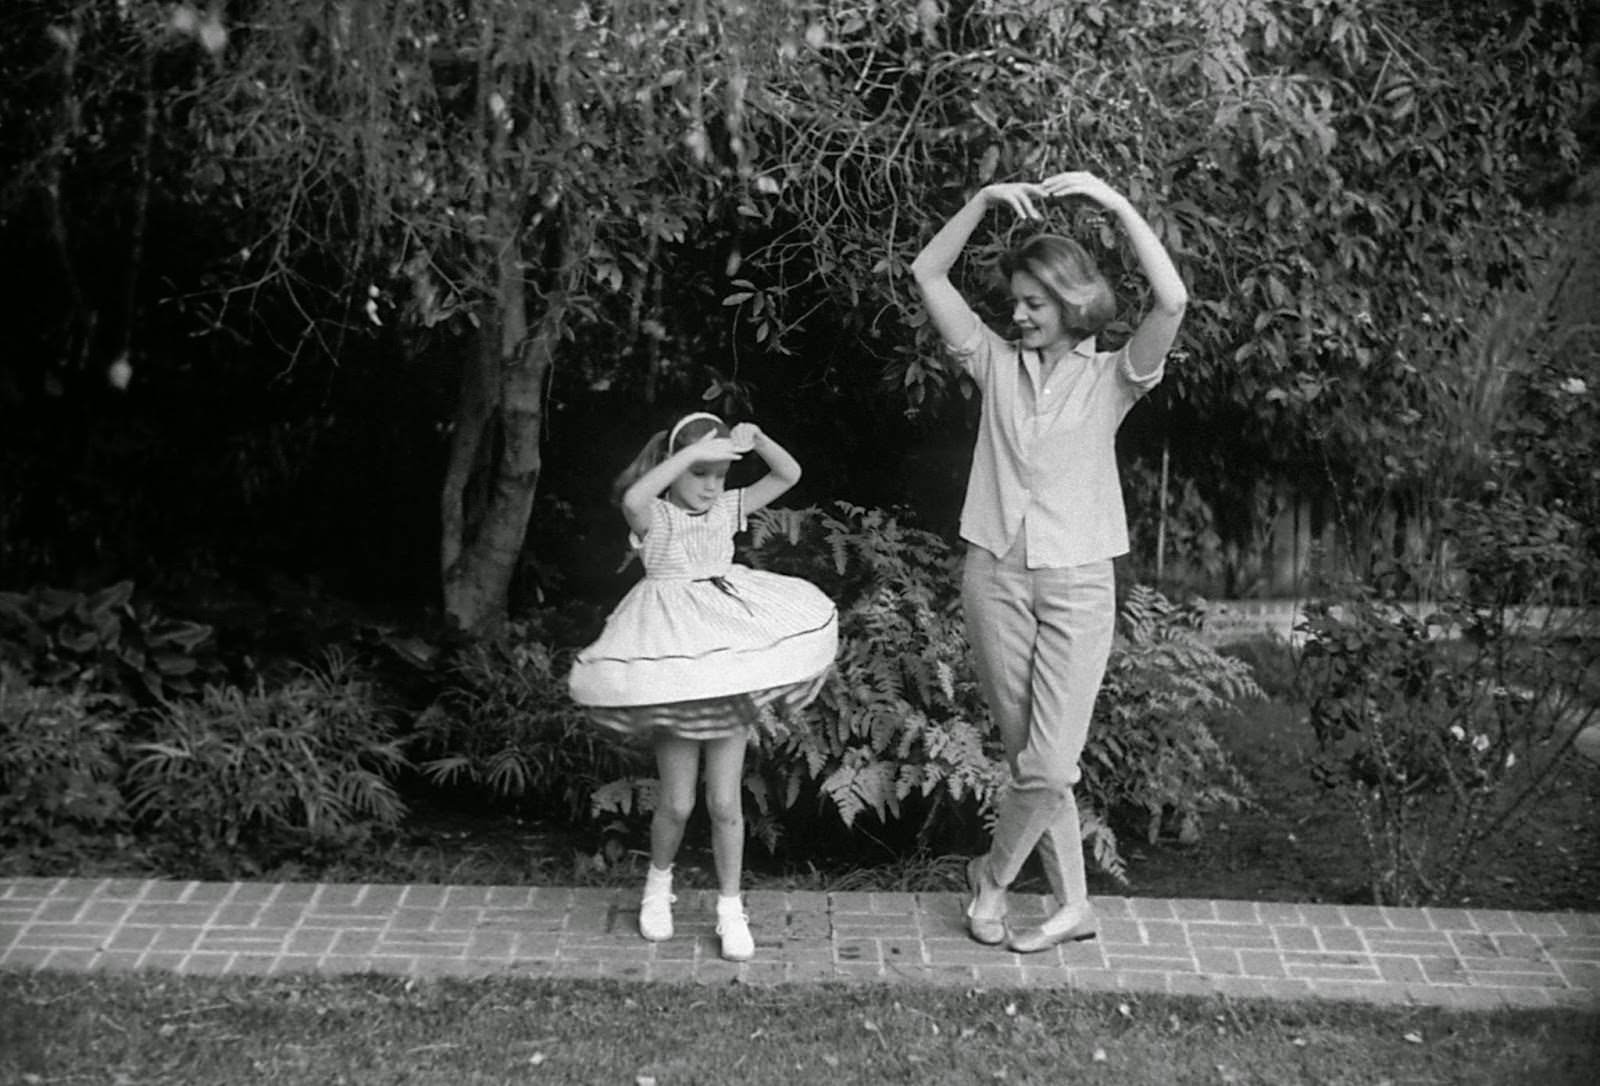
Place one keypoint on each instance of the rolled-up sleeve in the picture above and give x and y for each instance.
(976, 352)
(1138, 384)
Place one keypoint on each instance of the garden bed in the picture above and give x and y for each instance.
(1295, 840)
(1295, 844)
(1298, 845)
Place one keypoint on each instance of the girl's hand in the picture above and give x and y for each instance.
(1019, 196)
(1081, 183)
(713, 449)
(745, 435)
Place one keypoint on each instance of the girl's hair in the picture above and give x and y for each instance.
(685, 432)
(1065, 269)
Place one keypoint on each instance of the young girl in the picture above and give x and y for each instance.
(1043, 519)
(698, 647)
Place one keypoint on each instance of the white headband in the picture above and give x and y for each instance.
(681, 423)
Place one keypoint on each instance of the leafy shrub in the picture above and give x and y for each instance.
(1438, 729)
(59, 763)
(1514, 553)
(1183, 527)
(307, 763)
(504, 721)
(1273, 663)
(104, 641)
(1151, 747)
(1439, 723)
(1549, 447)
(902, 715)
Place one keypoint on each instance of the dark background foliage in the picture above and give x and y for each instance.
(332, 331)
(1345, 189)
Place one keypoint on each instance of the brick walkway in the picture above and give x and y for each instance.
(1445, 957)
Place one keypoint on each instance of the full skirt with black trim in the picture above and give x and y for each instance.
(708, 658)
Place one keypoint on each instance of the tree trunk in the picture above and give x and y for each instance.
(501, 413)
(477, 583)
(502, 398)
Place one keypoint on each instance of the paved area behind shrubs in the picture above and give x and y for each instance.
(1443, 957)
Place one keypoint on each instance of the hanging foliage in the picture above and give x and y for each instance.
(660, 197)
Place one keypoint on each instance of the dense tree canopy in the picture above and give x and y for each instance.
(646, 200)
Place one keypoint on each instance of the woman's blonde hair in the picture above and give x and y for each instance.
(1067, 271)
(683, 433)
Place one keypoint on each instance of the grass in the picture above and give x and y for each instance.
(133, 1029)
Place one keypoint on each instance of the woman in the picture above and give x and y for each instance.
(1043, 519)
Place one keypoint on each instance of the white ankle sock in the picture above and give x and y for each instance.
(733, 928)
(655, 905)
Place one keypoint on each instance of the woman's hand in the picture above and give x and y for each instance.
(1081, 183)
(1158, 329)
(1019, 196)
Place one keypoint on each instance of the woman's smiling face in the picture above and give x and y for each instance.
(1035, 312)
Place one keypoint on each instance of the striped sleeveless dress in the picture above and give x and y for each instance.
(700, 645)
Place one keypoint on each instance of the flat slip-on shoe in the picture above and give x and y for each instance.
(988, 930)
(1070, 925)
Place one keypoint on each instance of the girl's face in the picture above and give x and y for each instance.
(699, 488)
(1035, 313)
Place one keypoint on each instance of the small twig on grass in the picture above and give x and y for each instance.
(1233, 1016)
(872, 1027)
(64, 995)
(917, 1011)
(197, 1010)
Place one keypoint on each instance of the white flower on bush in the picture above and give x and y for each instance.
(207, 29)
(1511, 759)
(1458, 733)
(1574, 386)
(1480, 742)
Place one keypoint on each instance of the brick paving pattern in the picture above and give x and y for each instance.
(1465, 958)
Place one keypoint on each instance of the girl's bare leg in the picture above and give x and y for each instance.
(677, 767)
(725, 804)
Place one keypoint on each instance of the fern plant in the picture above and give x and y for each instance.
(902, 715)
(1150, 746)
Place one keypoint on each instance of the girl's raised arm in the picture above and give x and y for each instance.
(948, 310)
(644, 490)
(783, 469)
(1159, 329)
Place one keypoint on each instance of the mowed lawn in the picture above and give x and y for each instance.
(147, 1028)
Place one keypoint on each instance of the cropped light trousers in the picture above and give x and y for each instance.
(1041, 639)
